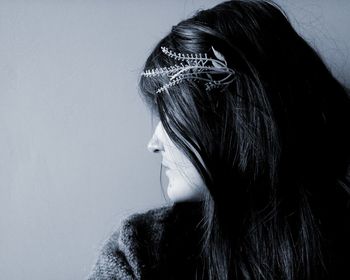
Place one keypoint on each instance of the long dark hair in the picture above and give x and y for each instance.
(273, 149)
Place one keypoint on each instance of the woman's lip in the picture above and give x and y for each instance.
(166, 169)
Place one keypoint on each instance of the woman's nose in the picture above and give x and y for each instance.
(154, 145)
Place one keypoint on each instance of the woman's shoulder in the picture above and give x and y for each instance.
(158, 218)
(145, 242)
(151, 220)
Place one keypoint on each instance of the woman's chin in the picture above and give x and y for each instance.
(178, 194)
(173, 194)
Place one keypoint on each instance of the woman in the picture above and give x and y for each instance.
(254, 132)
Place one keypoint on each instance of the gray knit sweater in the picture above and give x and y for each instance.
(161, 243)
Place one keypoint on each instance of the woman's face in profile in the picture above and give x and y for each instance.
(185, 183)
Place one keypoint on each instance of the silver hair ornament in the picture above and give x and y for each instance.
(196, 67)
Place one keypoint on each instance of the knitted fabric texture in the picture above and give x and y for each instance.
(161, 243)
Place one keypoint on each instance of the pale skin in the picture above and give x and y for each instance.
(185, 183)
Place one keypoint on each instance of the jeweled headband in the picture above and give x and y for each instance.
(196, 67)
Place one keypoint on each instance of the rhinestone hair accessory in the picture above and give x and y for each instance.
(195, 66)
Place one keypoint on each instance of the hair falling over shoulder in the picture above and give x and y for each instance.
(272, 148)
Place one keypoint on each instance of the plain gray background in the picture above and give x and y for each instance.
(73, 157)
